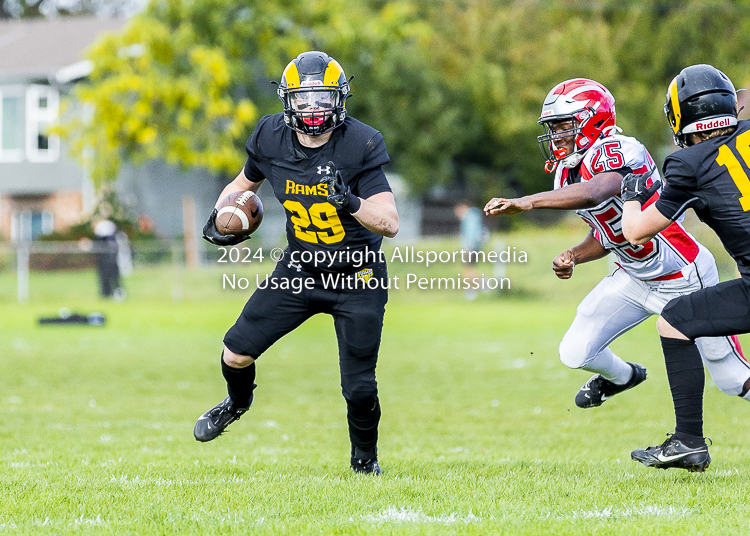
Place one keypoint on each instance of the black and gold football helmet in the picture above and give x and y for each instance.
(314, 90)
(700, 98)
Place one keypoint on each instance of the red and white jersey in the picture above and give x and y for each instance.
(668, 252)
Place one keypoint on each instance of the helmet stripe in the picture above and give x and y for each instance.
(332, 74)
(675, 106)
(291, 76)
(577, 91)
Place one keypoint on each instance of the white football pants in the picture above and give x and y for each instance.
(620, 302)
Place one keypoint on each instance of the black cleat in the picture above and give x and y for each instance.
(598, 389)
(674, 453)
(212, 424)
(370, 467)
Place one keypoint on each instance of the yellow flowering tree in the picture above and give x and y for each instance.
(455, 86)
(160, 90)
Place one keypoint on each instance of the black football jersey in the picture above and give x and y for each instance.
(313, 224)
(712, 177)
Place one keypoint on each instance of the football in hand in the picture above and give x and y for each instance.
(239, 214)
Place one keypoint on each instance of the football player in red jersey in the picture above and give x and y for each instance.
(326, 169)
(589, 158)
(710, 175)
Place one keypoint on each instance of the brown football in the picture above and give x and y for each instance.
(239, 214)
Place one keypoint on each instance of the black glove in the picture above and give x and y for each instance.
(339, 193)
(634, 187)
(212, 234)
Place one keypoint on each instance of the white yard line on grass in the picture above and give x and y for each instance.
(82, 520)
(407, 515)
(649, 510)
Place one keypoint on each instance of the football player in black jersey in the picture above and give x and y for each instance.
(326, 170)
(710, 174)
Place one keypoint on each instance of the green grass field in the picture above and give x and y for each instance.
(479, 432)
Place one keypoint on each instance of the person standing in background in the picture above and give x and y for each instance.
(107, 266)
(472, 239)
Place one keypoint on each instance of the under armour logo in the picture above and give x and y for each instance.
(326, 170)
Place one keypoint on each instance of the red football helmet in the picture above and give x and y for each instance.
(591, 109)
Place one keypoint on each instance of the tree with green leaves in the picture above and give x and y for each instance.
(455, 87)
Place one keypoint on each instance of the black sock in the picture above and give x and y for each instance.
(686, 381)
(363, 428)
(240, 383)
(691, 441)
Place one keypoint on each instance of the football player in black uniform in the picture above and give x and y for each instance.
(326, 169)
(711, 175)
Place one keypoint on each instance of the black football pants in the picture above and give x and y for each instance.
(721, 310)
(358, 320)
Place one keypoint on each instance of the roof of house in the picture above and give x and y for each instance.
(35, 49)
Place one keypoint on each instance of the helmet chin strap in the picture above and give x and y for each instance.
(569, 161)
(572, 160)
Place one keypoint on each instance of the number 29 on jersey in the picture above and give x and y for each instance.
(321, 215)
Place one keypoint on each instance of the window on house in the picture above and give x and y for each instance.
(42, 139)
(30, 224)
(42, 109)
(11, 125)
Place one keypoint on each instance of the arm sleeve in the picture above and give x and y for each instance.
(679, 192)
(252, 172)
(371, 179)
(623, 171)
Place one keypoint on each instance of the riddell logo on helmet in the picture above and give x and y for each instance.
(716, 123)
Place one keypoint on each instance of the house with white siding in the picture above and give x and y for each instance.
(41, 188)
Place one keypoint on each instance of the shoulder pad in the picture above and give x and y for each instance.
(268, 137)
(613, 153)
(356, 142)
